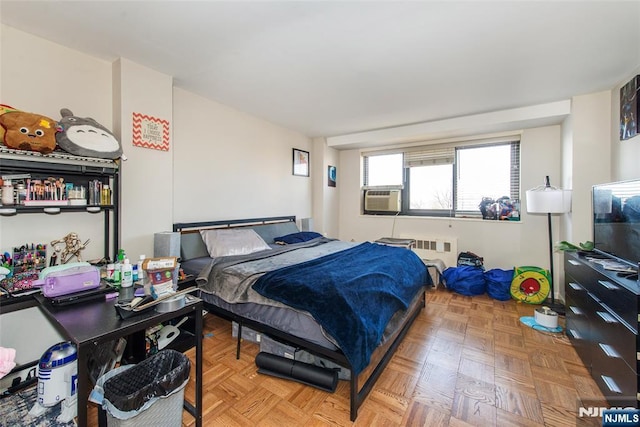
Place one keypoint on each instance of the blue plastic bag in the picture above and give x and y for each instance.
(465, 280)
(499, 283)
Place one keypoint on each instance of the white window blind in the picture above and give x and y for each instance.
(429, 157)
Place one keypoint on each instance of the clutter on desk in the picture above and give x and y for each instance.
(156, 286)
(121, 273)
(20, 268)
(138, 305)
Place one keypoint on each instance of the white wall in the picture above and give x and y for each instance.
(325, 198)
(228, 164)
(590, 157)
(146, 176)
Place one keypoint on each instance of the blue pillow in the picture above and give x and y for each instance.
(299, 237)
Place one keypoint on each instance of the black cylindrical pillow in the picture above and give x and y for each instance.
(322, 378)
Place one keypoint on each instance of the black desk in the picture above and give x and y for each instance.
(90, 324)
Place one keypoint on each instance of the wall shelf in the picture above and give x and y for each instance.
(73, 169)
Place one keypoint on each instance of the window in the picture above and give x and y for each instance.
(448, 180)
(383, 170)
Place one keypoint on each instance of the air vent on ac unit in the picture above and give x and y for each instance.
(382, 200)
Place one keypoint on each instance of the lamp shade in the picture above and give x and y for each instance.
(548, 200)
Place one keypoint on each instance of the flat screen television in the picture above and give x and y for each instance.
(616, 220)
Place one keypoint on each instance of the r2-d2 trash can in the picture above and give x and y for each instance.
(57, 381)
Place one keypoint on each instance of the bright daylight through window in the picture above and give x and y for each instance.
(471, 180)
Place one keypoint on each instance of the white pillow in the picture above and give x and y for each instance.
(232, 242)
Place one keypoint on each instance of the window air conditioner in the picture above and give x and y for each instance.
(382, 201)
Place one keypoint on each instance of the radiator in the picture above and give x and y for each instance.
(443, 248)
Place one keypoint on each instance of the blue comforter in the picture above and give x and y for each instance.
(352, 293)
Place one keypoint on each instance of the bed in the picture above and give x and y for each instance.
(349, 303)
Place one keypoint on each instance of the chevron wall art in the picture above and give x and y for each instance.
(150, 132)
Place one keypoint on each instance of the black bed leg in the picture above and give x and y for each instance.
(238, 342)
(355, 397)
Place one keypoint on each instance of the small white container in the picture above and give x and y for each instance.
(7, 193)
(126, 274)
(546, 317)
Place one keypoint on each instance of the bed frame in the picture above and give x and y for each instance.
(381, 356)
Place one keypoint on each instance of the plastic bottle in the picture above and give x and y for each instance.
(135, 272)
(105, 198)
(127, 274)
(111, 269)
(7, 193)
(117, 273)
(142, 276)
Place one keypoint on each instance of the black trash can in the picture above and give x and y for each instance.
(148, 393)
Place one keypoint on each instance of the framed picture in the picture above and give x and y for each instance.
(300, 162)
(629, 109)
(331, 176)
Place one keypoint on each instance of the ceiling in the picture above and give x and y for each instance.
(329, 68)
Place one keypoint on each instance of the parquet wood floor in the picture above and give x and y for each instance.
(467, 361)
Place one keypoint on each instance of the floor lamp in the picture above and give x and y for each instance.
(547, 199)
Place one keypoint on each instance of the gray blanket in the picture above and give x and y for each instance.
(231, 278)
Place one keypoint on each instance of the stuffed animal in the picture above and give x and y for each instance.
(4, 109)
(86, 137)
(29, 131)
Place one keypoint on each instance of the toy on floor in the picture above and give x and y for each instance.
(530, 321)
(57, 374)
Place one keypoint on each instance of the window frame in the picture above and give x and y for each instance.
(515, 191)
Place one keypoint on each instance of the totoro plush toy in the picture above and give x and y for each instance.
(86, 137)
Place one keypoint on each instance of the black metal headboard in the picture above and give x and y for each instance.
(186, 226)
(192, 245)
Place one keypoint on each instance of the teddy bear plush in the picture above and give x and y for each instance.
(29, 131)
(4, 109)
(83, 136)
